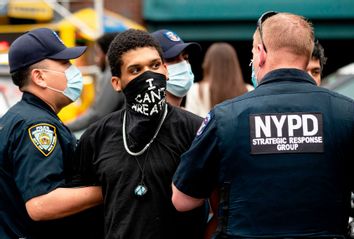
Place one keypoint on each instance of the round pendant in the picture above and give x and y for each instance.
(140, 190)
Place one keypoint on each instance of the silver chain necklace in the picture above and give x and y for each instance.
(141, 189)
(146, 146)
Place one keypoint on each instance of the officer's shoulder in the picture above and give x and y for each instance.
(338, 96)
(18, 116)
(30, 113)
(225, 105)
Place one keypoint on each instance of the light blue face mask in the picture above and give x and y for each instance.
(253, 76)
(74, 83)
(180, 79)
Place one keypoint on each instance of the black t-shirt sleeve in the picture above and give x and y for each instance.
(83, 169)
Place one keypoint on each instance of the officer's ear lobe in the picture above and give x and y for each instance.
(37, 78)
(116, 83)
(165, 71)
(262, 55)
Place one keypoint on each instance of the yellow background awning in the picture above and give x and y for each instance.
(111, 22)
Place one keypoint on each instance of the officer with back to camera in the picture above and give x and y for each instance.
(36, 148)
(281, 156)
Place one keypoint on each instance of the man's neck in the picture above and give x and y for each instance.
(173, 100)
(286, 59)
(283, 59)
(44, 97)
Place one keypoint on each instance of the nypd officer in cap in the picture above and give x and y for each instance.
(35, 146)
(176, 54)
(280, 156)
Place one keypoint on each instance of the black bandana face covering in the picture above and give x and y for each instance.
(145, 105)
(146, 94)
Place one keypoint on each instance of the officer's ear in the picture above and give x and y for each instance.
(262, 54)
(116, 83)
(165, 70)
(37, 78)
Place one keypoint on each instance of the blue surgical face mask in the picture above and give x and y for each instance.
(253, 76)
(74, 83)
(180, 79)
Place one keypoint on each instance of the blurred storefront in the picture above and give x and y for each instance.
(81, 27)
(236, 20)
(207, 21)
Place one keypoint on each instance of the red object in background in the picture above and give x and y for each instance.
(4, 46)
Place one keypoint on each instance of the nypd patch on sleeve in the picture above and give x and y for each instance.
(286, 133)
(204, 124)
(44, 137)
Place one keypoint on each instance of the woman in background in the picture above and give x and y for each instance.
(222, 80)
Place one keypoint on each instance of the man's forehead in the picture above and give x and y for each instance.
(314, 63)
(140, 56)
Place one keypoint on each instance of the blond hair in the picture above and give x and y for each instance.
(290, 32)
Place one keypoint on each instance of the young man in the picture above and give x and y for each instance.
(36, 148)
(274, 160)
(107, 99)
(176, 54)
(318, 60)
(133, 153)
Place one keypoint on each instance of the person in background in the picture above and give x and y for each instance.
(222, 80)
(36, 148)
(107, 99)
(176, 54)
(133, 153)
(279, 158)
(317, 62)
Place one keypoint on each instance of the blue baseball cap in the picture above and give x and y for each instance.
(172, 45)
(37, 45)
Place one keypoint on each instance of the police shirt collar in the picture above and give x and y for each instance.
(287, 74)
(34, 100)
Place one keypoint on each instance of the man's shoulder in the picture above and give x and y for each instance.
(182, 114)
(111, 120)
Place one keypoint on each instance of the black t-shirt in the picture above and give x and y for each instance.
(103, 160)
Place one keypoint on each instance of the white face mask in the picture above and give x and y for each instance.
(181, 78)
(74, 83)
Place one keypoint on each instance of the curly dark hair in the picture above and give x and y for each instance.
(126, 41)
(318, 54)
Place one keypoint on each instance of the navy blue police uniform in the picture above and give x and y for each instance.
(280, 156)
(35, 153)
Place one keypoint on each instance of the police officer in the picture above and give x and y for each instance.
(176, 54)
(35, 146)
(280, 156)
